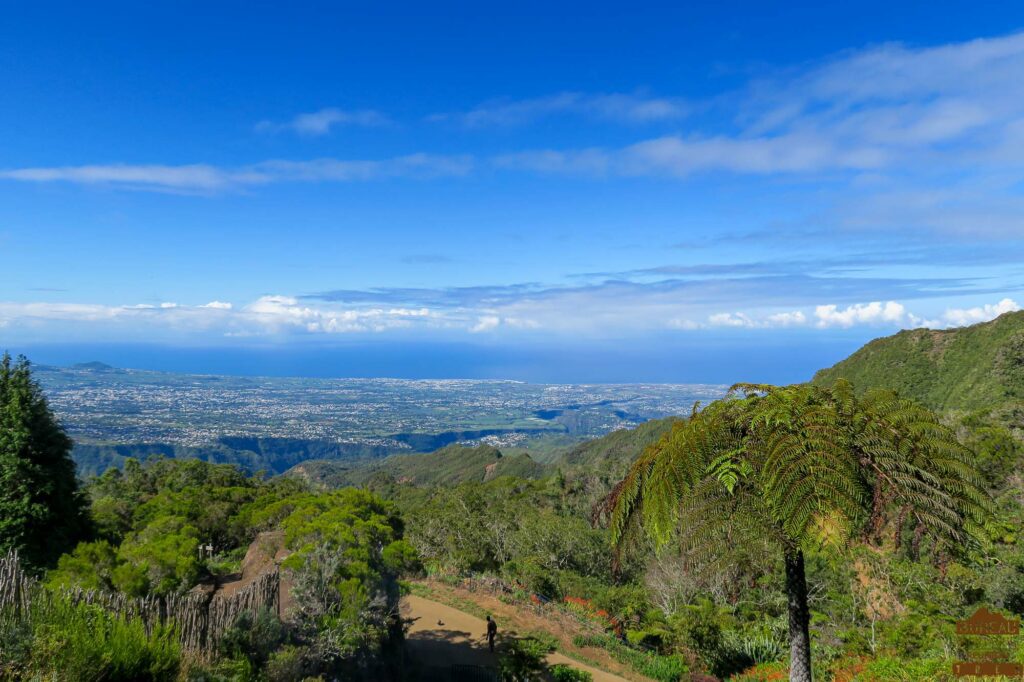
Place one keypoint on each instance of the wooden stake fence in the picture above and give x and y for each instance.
(200, 619)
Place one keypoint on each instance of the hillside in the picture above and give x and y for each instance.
(450, 465)
(605, 458)
(972, 368)
(609, 457)
(273, 455)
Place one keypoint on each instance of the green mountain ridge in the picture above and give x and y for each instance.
(450, 465)
(605, 458)
(976, 368)
(610, 455)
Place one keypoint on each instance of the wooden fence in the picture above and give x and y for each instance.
(540, 604)
(199, 619)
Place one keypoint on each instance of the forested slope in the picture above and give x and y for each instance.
(612, 454)
(450, 465)
(972, 368)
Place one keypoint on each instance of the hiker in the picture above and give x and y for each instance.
(492, 632)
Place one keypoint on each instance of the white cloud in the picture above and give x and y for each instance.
(876, 313)
(745, 320)
(676, 156)
(208, 179)
(872, 313)
(788, 319)
(961, 317)
(485, 323)
(613, 311)
(267, 314)
(730, 320)
(283, 312)
(579, 162)
(190, 177)
(521, 323)
(620, 107)
(892, 106)
(320, 122)
(337, 170)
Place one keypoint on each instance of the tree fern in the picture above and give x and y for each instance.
(799, 466)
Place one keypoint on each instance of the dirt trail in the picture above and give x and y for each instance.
(442, 636)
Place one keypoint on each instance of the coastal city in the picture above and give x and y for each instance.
(102, 404)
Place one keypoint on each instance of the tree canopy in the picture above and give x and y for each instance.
(41, 509)
(803, 467)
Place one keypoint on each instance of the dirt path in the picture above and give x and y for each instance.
(442, 636)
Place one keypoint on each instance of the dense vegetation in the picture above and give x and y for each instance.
(905, 530)
(41, 511)
(448, 466)
(345, 554)
(801, 468)
(967, 369)
(273, 455)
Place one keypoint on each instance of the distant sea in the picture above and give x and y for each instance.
(769, 359)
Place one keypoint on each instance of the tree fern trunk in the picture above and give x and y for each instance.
(900, 522)
(915, 543)
(799, 618)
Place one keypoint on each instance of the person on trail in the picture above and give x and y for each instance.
(492, 632)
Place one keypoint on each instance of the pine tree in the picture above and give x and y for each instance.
(42, 512)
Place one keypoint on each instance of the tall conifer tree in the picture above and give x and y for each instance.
(41, 508)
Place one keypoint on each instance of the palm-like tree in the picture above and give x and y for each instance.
(801, 466)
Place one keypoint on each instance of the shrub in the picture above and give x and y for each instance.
(661, 668)
(904, 670)
(543, 642)
(522, 659)
(15, 645)
(565, 673)
(287, 664)
(253, 637)
(534, 577)
(739, 652)
(650, 638)
(84, 642)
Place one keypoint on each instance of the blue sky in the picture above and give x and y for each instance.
(572, 191)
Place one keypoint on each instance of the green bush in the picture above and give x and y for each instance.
(740, 651)
(83, 642)
(699, 628)
(543, 642)
(649, 638)
(287, 664)
(903, 670)
(536, 578)
(15, 645)
(661, 668)
(523, 659)
(253, 637)
(565, 673)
